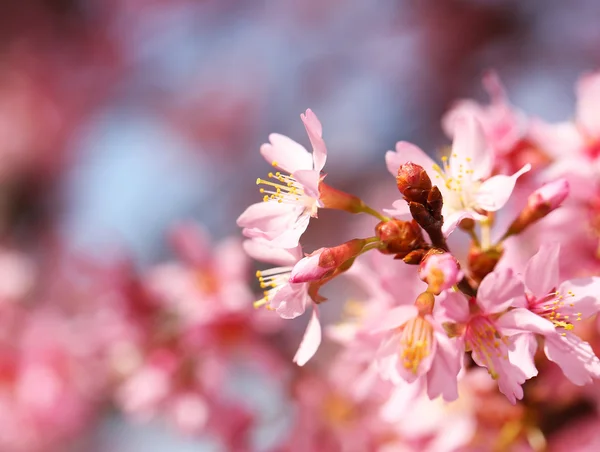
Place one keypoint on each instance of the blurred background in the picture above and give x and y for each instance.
(119, 118)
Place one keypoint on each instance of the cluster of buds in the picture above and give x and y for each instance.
(424, 200)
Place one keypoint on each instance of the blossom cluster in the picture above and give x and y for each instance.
(466, 315)
(487, 263)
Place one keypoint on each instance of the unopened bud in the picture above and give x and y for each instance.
(325, 261)
(539, 204)
(399, 237)
(481, 262)
(440, 272)
(413, 182)
(549, 196)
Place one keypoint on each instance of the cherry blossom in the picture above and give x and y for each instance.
(464, 179)
(290, 200)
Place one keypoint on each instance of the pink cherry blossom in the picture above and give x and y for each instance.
(290, 200)
(206, 274)
(465, 179)
(417, 346)
(484, 327)
(288, 299)
(561, 305)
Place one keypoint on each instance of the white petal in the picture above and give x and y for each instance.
(263, 251)
(407, 152)
(495, 192)
(470, 149)
(285, 153)
(315, 134)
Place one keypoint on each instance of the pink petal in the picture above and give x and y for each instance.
(541, 273)
(470, 149)
(574, 356)
(451, 221)
(311, 340)
(498, 291)
(588, 99)
(442, 376)
(521, 320)
(454, 306)
(267, 216)
(495, 192)
(310, 182)
(394, 318)
(308, 269)
(286, 154)
(523, 352)
(291, 301)
(283, 227)
(407, 152)
(263, 251)
(583, 294)
(315, 134)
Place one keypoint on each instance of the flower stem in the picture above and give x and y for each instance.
(370, 211)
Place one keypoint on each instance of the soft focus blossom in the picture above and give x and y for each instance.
(417, 346)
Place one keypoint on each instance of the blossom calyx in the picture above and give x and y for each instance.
(540, 203)
(332, 198)
(399, 237)
(413, 182)
(440, 271)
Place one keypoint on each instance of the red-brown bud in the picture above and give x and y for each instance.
(482, 262)
(399, 237)
(413, 182)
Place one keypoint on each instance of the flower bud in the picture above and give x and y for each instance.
(440, 272)
(539, 204)
(549, 196)
(325, 261)
(413, 182)
(399, 237)
(482, 262)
